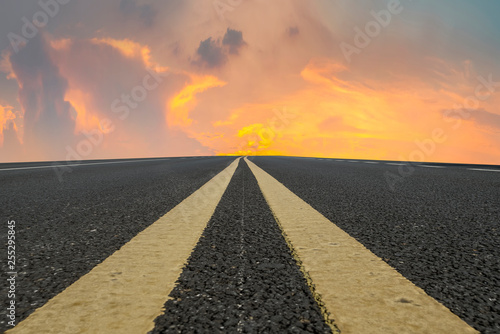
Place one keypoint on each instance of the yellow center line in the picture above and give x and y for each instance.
(127, 291)
(362, 293)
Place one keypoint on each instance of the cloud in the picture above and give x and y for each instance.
(181, 104)
(6, 118)
(10, 146)
(64, 102)
(48, 121)
(234, 40)
(112, 90)
(480, 117)
(390, 95)
(293, 31)
(145, 13)
(486, 118)
(211, 53)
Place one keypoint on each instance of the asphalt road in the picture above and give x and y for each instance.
(439, 227)
(65, 227)
(241, 277)
(437, 224)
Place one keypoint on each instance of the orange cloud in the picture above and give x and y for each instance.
(181, 104)
(61, 44)
(84, 120)
(131, 49)
(6, 115)
(339, 116)
(289, 91)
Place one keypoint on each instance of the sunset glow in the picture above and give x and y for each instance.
(190, 78)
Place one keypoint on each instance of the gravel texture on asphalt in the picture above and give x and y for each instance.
(241, 277)
(440, 228)
(63, 229)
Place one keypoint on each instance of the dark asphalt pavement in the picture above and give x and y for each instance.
(439, 227)
(241, 277)
(63, 229)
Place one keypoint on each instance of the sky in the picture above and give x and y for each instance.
(409, 80)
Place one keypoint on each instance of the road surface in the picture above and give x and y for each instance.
(229, 246)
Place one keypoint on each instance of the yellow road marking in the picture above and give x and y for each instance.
(362, 293)
(127, 291)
